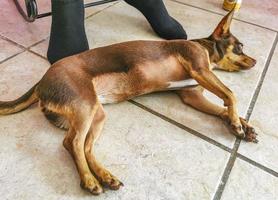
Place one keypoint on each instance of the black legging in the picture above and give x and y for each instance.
(68, 35)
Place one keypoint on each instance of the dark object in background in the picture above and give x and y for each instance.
(162, 23)
(67, 35)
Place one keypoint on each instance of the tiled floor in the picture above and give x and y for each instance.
(160, 148)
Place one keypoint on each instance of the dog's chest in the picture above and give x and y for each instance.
(175, 85)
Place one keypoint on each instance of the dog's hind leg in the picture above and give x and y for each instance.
(80, 119)
(194, 97)
(103, 175)
(56, 119)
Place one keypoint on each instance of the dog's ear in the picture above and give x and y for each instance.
(223, 28)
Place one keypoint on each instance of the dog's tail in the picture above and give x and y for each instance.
(23, 102)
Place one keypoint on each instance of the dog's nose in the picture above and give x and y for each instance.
(251, 62)
(254, 63)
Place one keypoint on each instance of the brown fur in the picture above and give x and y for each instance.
(73, 89)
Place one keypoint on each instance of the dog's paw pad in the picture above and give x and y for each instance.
(251, 135)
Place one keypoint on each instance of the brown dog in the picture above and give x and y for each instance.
(73, 90)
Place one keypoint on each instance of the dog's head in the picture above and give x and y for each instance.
(229, 48)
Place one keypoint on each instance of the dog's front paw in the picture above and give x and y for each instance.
(237, 130)
(242, 130)
(109, 180)
(250, 133)
(92, 185)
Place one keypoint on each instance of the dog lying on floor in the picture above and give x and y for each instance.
(72, 91)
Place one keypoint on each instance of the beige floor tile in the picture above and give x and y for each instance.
(257, 42)
(263, 13)
(8, 49)
(95, 9)
(19, 74)
(250, 183)
(41, 48)
(118, 23)
(153, 158)
(265, 118)
(43, 6)
(15, 28)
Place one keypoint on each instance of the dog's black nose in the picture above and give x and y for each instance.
(255, 62)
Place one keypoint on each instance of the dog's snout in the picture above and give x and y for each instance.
(248, 63)
(253, 62)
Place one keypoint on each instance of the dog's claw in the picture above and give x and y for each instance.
(93, 189)
(110, 181)
(250, 132)
(255, 140)
(251, 137)
(121, 183)
(114, 185)
(96, 190)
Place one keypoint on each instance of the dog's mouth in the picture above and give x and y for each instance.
(245, 66)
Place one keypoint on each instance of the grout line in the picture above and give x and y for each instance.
(37, 54)
(193, 6)
(10, 57)
(257, 25)
(217, 13)
(38, 42)
(227, 171)
(13, 42)
(24, 49)
(262, 167)
(234, 153)
(97, 12)
(260, 83)
(192, 131)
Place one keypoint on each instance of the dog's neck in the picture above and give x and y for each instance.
(211, 46)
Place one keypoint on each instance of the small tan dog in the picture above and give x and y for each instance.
(72, 91)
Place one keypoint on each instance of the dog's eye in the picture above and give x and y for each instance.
(238, 48)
